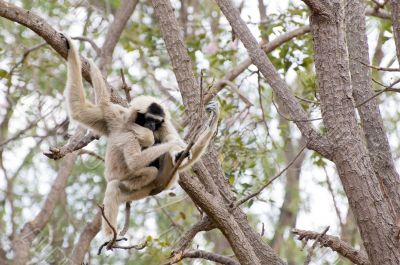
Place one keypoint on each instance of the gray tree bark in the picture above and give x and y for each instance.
(245, 242)
(371, 119)
(356, 172)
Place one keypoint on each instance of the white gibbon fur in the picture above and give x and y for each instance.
(127, 163)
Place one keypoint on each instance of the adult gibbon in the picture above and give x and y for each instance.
(132, 172)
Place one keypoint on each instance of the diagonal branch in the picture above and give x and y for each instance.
(49, 34)
(267, 47)
(318, 7)
(114, 32)
(314, 140)
(82, 246)
(201, 254)
(336, 244)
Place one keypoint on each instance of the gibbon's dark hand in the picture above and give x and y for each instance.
(66, 40)
(213, 108)
(181, 153)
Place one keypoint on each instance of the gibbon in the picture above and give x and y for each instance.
(135, 167)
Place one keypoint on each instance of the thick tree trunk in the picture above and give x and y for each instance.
(371, 119)
(22, 243)
(396, 25)
(245, 242)
(355, 169)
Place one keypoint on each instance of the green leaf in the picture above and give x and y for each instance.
(231, 180)
(3, 73)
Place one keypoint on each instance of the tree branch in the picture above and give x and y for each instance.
(204, 224)
(114, 32)
(268, 47)
(85, 238)
(314, 140)
(235, 227)
(334, 243)
(396, 25)
(318, 7)
(201, 254)
(50, 35)
(23, 241)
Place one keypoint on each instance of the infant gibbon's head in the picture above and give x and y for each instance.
(150, 112)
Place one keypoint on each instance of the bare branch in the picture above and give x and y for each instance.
(49, 34)
(396, 25)
(311, 250)
(22, 242)
(82, 246)
(270, 46)
(114, 32)
(125, 86)
(91, 153)
(318, 7)
(336, 244)
(388, 88)
(314, 139)
(201, 254)
(90, 41)
(59, 152)
(377, 13)
(25, 55)
(204, 224)
(109, 244)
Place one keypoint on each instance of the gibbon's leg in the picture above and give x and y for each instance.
(203, 140)
(164, 178)
(111, 203)
(78, 107)
(141, 178)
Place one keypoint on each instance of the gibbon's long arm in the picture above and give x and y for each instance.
(79, 108)
(100, 88)
(203, 140)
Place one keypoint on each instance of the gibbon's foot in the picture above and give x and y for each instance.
(107, 242)
(65, 39)
(212, 106)
(181, 153)
(123, 187)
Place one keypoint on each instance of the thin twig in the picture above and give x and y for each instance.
(201, 254)
(308, 100)
(250, 196)
(91, 153)
(113, 240)
(261, 103)
(289, 119)
(311, 250)
(137, 247)
(91, 42)
(387, 88)
(330, 188)
(125, 87)
(173, 223)
(26, 53)
(336, 244)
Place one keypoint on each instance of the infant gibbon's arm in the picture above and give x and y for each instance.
(143, 135)
(137, 159)
(79, 108)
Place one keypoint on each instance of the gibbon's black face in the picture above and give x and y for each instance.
(153, 118)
